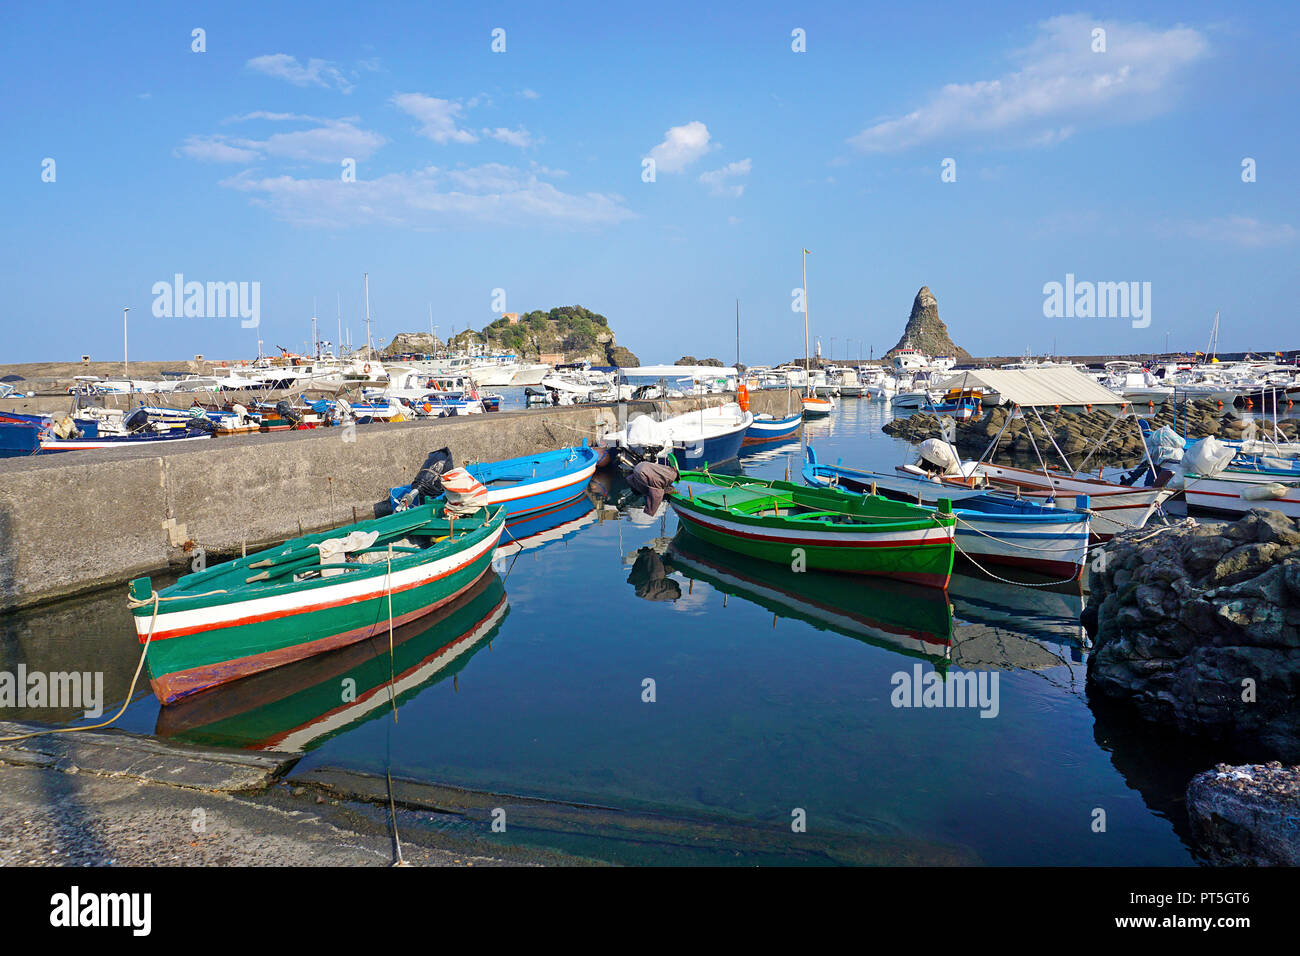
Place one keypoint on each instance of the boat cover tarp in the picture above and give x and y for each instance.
(1036, 387)
(940, 454)
(1207, 457)
(652, 480)
(1165, 445)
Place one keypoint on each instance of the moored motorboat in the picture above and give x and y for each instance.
(767, 428)
(707, 437)
(816, 406)
(816, 529)
(311, 594)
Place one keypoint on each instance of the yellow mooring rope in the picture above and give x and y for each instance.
(129, 694)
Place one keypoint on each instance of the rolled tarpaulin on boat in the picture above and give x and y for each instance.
(465, 494)
(652, 480)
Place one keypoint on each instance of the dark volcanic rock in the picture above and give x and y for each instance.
(925, 330)
(1075, 433)
(1198, 627)
(1247, 815)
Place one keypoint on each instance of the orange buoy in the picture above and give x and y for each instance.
(743, 396)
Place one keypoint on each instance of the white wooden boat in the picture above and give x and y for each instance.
(1114, 507)
(1237, 492)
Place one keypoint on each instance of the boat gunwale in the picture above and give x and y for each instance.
(1045, 515)
(179, 600)
(882, 525)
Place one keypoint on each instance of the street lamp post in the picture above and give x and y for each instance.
(126, 374)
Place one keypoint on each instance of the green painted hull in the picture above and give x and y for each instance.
(213, 626)
(811, 529)
(299, 706)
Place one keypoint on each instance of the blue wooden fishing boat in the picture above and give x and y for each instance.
(766, 428)
(992, 528)
(527, 485)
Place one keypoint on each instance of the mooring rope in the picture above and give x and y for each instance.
(1019, 584)
(129, 694)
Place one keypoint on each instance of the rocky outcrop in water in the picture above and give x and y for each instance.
(1198, 627)
(1074, 433)
(926, 331)
(1247, 815)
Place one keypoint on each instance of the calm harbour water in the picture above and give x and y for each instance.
(771, 694)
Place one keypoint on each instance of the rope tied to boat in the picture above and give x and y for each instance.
(1023, 547)
(1019, 584)
(153, 599)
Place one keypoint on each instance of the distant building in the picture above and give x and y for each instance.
(551, 358)
(511, 317)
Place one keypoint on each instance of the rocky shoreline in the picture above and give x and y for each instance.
(1197, 627)
(1075, 433)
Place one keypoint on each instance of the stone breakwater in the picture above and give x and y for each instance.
(1075, 433)
(83, 520)
(1198, 627)
(1247, 815)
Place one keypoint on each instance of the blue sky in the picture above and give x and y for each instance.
(522, 170)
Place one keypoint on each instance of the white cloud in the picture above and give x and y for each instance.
(316, 73)
(513, 137)
(437, 117)
(330, 141)
(719, 180)
(529, 94)
(431, 198)
(682, 146)
(1238, 230)
(215, 149)
(334, 141)
(1058, 82)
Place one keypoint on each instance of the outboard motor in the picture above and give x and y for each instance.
(286, 411)
(428, 482)
(138, 420)
(627, 459)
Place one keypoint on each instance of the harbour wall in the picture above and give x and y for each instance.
(78, 521)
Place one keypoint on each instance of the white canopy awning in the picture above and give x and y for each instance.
(1037, 387)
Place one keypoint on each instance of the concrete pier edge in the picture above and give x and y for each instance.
(76, 522)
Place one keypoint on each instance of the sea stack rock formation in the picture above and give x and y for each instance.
(926, 331)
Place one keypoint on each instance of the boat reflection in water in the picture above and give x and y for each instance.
(1009, 625)
(533, 531)
(299, 706)
(906, 618)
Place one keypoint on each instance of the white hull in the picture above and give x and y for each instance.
(1115, 507)
(1227, 494)
(530, 375)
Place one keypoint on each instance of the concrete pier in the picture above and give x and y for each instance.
(77, 521)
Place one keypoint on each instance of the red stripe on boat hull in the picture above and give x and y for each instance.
(179, 684)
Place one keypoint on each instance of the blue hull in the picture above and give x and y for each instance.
(778, 429)
(530, 485)
(712, 451)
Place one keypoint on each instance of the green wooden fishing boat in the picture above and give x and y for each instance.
(308, 595)
(816, 529)
(298, 707)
